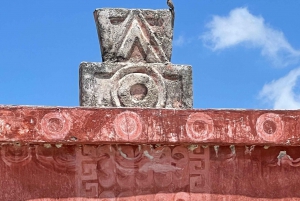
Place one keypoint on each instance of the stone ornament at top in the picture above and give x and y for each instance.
(136, 47)
(135, 35)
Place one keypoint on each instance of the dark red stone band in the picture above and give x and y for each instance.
(148, 126)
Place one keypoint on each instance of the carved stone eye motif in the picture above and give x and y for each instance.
(116, 20)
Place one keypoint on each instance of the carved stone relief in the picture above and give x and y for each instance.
(135, 35)
(269, 127)
(136, 47)
(124, 125)
(135, 85)
(145, 172)
(55, 125)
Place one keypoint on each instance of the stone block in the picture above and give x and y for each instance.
(135, 35)
(145, 85)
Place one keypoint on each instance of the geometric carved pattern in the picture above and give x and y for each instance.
(86, 177)
(269, 127)
(108, 170)
(55, 125)
(144, 172)
(135, 85)
(199, 126)
(135, 35)
(199, 170)
(128, 83)
(136, 48)
(30, 125)
(128, 125)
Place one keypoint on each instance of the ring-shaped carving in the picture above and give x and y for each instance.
(155, 79)
(128, 125)
(16, 156)
(199, 126)
(132, 79)
(269, 127)
(56, 125)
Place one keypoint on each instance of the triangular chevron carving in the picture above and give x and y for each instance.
(135, 35)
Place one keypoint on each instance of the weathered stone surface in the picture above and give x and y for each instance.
(136, 85)
(148, 126)
(136, 47)
(135, 35)
(145, 172)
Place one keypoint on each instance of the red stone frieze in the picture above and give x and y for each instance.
(148, 126)
(144, 172)
(139, 154)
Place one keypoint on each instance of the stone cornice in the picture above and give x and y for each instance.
(83, 125)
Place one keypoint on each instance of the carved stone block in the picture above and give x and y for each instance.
(135, 35)
(147, 172)
(153, 85)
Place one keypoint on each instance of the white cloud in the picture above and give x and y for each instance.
(281, 93)
(241, 27)
(181, 40)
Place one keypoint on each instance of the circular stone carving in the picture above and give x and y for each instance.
(56, 125)
(269, 126)
(128, 125)
(138, 90)
(18, 156)
(199, 126)
(138, 86)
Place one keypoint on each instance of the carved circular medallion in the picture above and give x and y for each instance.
(128, 125)
(199, 126)
(56, 125)
(138, 86)
(269, 126)
(138, 90)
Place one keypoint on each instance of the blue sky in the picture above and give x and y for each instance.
(245, 54)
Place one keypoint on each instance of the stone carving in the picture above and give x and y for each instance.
(90, 125)
(199, 126)
(55, 125)
(128, 126)
(121, 168)
(269, 127)
(16, 155)
(199, 170)
(135, 35)
(144, 172)
(136, 48)
(86, 177)
(135, 85)
(58, 159)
